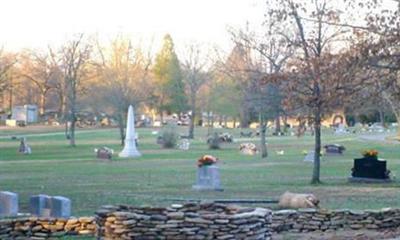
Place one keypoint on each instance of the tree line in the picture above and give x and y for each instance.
(309, 59)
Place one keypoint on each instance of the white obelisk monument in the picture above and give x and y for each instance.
(130, 143)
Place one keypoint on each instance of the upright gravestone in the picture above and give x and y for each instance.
(60, 207)
(184, 144)
(309, 157)
(370, 169)
(208, 178)
(24, 148)
(130, 149)
(8, 204)
(341, 129)
(40, 205)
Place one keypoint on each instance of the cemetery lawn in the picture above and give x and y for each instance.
(54, 168)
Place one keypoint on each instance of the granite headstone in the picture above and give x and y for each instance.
(60, 207)
(208, 178)
(334, 149)
(8, 204)
(40, 205)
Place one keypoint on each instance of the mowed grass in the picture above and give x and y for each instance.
(54, 168)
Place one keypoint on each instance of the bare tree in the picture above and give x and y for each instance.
(271, 53)
(42, 72)
(75, 56)
(383, 50)
(124, 77)
(7, 62)
(194, 76)
(319, 80)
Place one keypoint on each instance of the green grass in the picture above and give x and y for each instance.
(56, 169)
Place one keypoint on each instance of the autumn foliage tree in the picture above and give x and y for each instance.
(7, 62)
(318, 80)
(123, 79)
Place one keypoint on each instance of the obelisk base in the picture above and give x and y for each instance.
(129, 150)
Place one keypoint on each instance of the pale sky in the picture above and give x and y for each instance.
(38, 23)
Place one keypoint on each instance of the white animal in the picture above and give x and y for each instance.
(298, 200)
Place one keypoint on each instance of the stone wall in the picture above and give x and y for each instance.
(189, 221)
(44, 228)
(308, 220)
(197, 221)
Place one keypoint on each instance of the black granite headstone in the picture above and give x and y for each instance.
(334, 149)
(370, 167)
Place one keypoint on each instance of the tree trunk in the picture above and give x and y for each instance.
(66, 130)
(317, 154)
(72, 109)
(234, 122)
(278, 124)
(191, 125)
(285, 123)
(226, 121)
(193, 116)
(244, 118)
(10, 100)
(62, 106)
(153, 116)
(208, 123)
(42, 103)
(263, 130)
(397, 115)
(121, 128)
(382, 117)
(72, 129)
(220, 119)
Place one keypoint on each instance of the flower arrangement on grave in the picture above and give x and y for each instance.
(206, 160)
(372, 153)
(248, 148)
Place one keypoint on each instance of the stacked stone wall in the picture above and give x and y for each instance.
(308, 220)
(45, 228)
(197, 221)
(189, 221)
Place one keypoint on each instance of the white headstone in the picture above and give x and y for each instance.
(8, 204)
(309, 157)
(184, 144)
(208, 178)
(130, 149)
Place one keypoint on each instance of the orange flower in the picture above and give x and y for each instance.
(370, 153)
(206, 160)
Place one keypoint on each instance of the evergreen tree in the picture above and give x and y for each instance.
(170, 93)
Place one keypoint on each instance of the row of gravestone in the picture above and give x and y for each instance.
(39, 205)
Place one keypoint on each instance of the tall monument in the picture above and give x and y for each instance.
(130, 141)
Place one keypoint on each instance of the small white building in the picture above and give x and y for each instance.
(26, 113)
